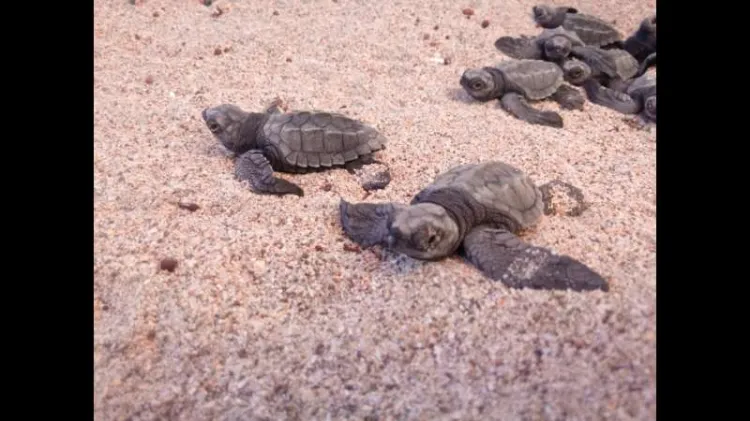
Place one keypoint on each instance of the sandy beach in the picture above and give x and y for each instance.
(270, 312)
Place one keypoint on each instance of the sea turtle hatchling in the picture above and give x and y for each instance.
(610, 67)
(642, 43)
(293, 142)
(591, 29)
(552, 45)
(638, 96)
(474, 210)
(515, 81)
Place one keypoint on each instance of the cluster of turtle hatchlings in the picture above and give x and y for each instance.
(576, 49)
(475, 210)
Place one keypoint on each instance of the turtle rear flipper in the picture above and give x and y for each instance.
(502, 256)
(569, 98)
(523, 47)
(255, 168)
(609, 98)
(517, 106)
(648, 62)
(367, 224)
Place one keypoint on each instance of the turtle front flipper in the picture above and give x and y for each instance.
(502, 256)
(610, 98)
(367, 224)
(569, 98)
(523, 47)
(648, 62)
(255, 168)
(517, 106)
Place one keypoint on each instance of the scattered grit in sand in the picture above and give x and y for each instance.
(265, 311)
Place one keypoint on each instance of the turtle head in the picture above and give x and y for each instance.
(557, 47)
(482, 84)
(228, 124)
(576, 72)
(648, 25)
(423, 231)
(649, 108)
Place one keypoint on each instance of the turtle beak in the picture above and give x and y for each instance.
(203, 114)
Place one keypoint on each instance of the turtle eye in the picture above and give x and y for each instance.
(477, 85)
(432, 239)
(575, 72)
(214, 127)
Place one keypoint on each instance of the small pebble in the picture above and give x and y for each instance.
(436, 27)
(447, 61)
(218, 12)
(227, 49)
(275, 12)
(208, 2)
(374, 176)
(288, 59)
(217, 51)
(149, 80)
(259, 266)
(352, 248)
(485, 23)
(192, 207)
(426, 37)
(468, 11)
(156, 14)
(169, 264)
(151, 335)
(318, 247)
(326, 186)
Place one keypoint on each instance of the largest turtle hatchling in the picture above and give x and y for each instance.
(293, 142)
(475, 210)
(591, 29)
(514, 82)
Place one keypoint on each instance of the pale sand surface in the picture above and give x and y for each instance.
(267, 316)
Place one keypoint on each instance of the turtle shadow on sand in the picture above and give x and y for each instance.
(458, 94)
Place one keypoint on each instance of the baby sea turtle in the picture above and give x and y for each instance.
(591, 29)
(642, 43)
(515, 81)
(293, 142)
(552, 45)
(475, 210)
(609, 67)
(638, 96)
